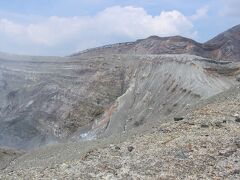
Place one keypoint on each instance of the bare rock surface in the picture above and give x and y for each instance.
(226, 45)
(7, 156)
(45, 100)
(172, 150)
(50, 100)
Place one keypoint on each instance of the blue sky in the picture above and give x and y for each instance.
(62, 27)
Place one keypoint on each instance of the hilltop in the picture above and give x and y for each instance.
(224, 46)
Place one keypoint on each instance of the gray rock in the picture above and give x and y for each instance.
(204, 126)
(237, 119)
(130, 148)
(178, 118)
(237, 142)
(117, 148)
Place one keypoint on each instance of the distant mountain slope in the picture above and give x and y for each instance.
(150, 45)
(226, 45)
(223, 47)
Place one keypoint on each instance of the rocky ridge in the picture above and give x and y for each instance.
(225, 46)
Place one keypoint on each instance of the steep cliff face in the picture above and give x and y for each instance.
(163, 86)
(223, 47)
(47, 100)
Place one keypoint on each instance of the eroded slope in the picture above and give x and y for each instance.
(43, 100)
(163, 86)
(50, 100)
(205, 145)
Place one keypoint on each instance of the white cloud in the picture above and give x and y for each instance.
(111, 25)
(52, 31)
(200, 13)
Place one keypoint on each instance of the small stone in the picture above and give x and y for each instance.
(190, 123)
(204, 126)
(238, 79)
(111, 145)
(237, 119)
(236, 171)
(117, 148)
(224, 121)
(236, 115)
(162, 130)
(227, 152)
(130, 148)
(218, 124)
(178, 118)
(237, 142)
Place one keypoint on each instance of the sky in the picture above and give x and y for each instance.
(64, 27)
